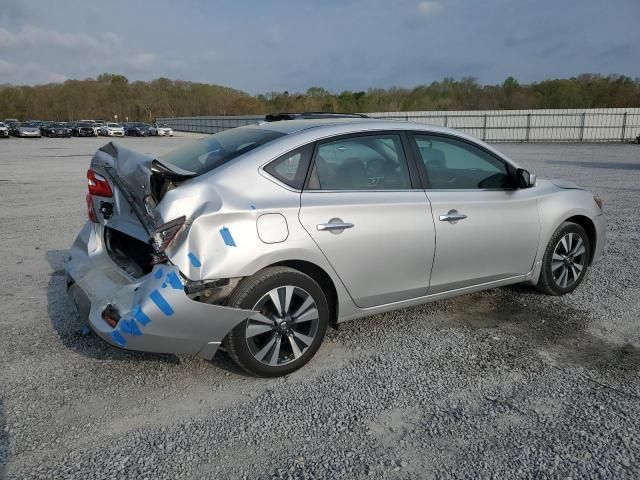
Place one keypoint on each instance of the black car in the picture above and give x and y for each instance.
(58, 129)
(84, 129)
(137, 129)
(13, 124)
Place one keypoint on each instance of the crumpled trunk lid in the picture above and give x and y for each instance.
(129, 174)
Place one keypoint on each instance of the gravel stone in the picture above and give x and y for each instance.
(507, 383)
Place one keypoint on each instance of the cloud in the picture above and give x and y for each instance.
(429, 8)
(32, 35)
(6, 67)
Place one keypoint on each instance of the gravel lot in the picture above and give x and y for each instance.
(507, 383)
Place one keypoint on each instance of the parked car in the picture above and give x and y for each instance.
(260, 237)
(27, 129)
(12, 124)
(112, 130)
(4, 130)
(161, 129)
(84, 129)
(57, 129)
(137, 129)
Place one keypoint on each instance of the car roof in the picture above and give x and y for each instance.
(299, 132)
(353, 125)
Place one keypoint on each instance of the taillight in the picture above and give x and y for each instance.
(165, 234)
(91, 213)
(98, 185)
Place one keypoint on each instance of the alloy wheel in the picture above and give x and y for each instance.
(284, 327)
(568, 260)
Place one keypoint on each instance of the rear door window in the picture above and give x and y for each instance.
(368, 162)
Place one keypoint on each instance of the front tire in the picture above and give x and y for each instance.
(566, 260)
(287, 331)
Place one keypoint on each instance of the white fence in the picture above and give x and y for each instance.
(569, 125)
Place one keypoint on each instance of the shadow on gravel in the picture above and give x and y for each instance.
(557, 329)
(73, 332)
(4, 442)
(606, 165)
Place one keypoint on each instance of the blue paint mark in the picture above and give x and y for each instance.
(157, 298)
(174, 281)
(164, 285)
(253, 207)
(118, 338)
(194, 260)
(140, 316)
(130, 327)
(158, 273)
(226, 236)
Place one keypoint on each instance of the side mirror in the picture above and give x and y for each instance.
(524, 179)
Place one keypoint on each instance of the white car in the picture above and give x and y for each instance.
(112, 130)
(161, 129)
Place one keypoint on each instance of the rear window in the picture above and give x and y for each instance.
(209, 153)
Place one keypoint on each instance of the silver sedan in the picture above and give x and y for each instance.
(258, 238)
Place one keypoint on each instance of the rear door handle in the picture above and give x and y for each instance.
(334, 226)
(452, 216)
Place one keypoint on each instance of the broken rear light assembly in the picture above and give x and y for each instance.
(165, 234)
(98, 185)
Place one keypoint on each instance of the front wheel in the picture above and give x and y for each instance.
(288, 327)
(565, 260)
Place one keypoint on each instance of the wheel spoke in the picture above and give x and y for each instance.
(294, 346)
(303, 308)
(287, 298)
(564, 244)
(558, 257)
(254, 329)
(556, 265)
(562, 279)
(275, 299)
(575, 249)
(307, 340)
(276, 352)
(260, 318)
(263, 352)
(579, 251)
(575, 272)
(578, 266)
(311, 314)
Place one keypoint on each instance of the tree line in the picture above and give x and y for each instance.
(111, 94)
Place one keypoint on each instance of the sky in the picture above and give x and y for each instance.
(277, 45)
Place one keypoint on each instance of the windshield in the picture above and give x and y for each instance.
(29, 124)
(208, 153)
(113, 125)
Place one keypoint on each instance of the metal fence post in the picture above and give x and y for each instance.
(446, 118)
(484, 127)
(528, 132)
(624, 127)
(582, 119)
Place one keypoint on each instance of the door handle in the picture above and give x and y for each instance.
(334, 226)
(452, 216)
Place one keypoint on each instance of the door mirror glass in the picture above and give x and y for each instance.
(524, 179)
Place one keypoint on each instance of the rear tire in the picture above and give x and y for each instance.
(281, 338)
(566, 260)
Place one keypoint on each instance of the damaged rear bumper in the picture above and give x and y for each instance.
(155, 313)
